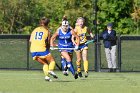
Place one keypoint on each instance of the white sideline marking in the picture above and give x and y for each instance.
(10, 73)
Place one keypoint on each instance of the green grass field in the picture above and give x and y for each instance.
(14, 52)
(97, 82)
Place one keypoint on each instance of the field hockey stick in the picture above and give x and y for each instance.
(55, 48)
(90, 41)
(58, 67)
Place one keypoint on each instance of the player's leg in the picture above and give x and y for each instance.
(78, 62)
(85, 63)
(71, 56)
(45, 68)
(69, 63)
(51, 63)
(63, 63)
(64, 66)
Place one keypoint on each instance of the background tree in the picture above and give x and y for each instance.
(136, 15)
(117, 12)
(22, 16)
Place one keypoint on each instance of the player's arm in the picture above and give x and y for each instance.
(53, 38)
(71, 28)
(90, 33)
(30, 39)
(31, 36)
(73, 39)
(75, 36)
(48, 40)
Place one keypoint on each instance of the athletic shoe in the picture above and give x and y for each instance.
(48, 78)
(53, 74)
(80, 74)
(86, 74)
(65, 73)
(76, 76)
(66, 68)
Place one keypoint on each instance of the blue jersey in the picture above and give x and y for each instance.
(64, 39)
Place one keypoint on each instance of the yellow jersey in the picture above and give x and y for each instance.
(81, 32)
(38, 39)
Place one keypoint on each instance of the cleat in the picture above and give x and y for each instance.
(86, 74)
(48, 78)
(76, 76)
(65, 73)
(66, 69)
(52, 74)
(80, 74)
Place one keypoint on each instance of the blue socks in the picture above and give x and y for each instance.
(71, 68)
(64, 64)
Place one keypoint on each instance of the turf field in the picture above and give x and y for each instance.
(13, 81)
(101, 82)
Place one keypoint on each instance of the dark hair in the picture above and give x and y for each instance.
(44, 21)
(64, 18)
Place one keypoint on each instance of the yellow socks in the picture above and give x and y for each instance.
(51, 65)
(85, 66)
(78, 66)
(45, 69)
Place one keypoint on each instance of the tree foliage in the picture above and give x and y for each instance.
(22, 16)
(117, 12)
(136, 15)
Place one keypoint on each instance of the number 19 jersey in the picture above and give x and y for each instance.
(38, 38)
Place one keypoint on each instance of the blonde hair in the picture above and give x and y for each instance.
(80, 18)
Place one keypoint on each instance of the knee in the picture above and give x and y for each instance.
(78, 59)
(68, 59)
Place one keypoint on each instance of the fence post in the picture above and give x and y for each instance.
(28, 54)
(95, 66)
(97, 45)
(119, 53)
(98, 55)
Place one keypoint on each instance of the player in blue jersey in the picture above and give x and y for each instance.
(64, 34)
(63, 60)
